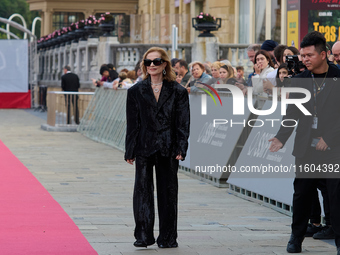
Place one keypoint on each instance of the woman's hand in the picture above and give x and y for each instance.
(130, 161)
(179, 157)
(94, 82)
(257, 69)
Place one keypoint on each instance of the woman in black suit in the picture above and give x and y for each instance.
(157, 134)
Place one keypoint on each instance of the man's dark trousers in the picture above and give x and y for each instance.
(304, 187)
(72, 99)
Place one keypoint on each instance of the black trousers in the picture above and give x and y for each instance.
(315, 216)
(304, 191)
(72, 99)
(167, 198)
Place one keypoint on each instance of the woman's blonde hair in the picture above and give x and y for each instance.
(122, 75)
(217, 65)
(131, 75)
(170, 74)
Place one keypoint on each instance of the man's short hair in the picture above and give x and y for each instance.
(68, 68)
(254, 47)
(239, 68)
(315, 39)
(182, 63)
(173, 61)
(278, 52)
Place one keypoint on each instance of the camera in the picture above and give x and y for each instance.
(295, 66)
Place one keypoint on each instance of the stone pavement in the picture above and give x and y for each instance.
(93, 184)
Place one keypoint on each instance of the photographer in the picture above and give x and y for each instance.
(317, 140)
(295, 65)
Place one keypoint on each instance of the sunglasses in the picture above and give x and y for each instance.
(156, 62)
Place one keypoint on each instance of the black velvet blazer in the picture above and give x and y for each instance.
(157, 126)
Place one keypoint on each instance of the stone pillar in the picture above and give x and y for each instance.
(47, 22)
(205, 49)
(104, 49)
(92, 65)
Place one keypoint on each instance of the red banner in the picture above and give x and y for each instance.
(15, 100)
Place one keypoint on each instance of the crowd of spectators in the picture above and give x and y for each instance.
(124, 79)
(269, 71)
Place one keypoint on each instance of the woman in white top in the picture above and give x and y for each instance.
(265, 66)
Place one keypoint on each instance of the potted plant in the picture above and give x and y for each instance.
(55, 40)
(206, 23)
(91, 26)
(64, 35)
(41, 43)
(80, 31)
(71, 34)
(107, 24)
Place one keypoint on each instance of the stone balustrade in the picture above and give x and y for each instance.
(237, 55)
(85, 58)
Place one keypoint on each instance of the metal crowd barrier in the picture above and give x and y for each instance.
(235, 145)
(105, 118)
(66, 108)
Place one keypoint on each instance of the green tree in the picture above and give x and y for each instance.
(9, 7)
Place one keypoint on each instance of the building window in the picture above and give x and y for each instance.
(244, 12)
(65, 19)
(260, 21)
(276, 20)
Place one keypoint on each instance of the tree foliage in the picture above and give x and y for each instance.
(9, 7)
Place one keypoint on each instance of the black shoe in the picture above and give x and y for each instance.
(295, 243)
(312, 229)
(139, 243)
(174, 245)
(338, 253)
(325, 233)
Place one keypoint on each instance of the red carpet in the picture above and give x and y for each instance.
(31, 221)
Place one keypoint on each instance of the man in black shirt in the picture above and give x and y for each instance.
(317, 140)
(70, 83)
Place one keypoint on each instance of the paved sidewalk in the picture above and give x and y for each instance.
(94, 185)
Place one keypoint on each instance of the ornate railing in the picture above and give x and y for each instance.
(86, 57)
(237, 55)
(127, 55)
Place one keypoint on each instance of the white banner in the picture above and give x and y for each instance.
(13, 66)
